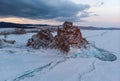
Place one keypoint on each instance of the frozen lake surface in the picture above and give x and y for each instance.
(19, 63)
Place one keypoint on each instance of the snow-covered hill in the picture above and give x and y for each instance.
(19, 63)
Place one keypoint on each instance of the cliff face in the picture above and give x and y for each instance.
(66, 37)
(69, 36)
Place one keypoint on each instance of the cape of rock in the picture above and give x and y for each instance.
(67, 36)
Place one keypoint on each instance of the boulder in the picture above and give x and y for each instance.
(42, 39)
(9, 41)
(4, 42)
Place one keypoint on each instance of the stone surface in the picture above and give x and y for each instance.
(42, 39)
(66, 37)
(69, 36)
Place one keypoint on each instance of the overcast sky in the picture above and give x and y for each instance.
(103, 13)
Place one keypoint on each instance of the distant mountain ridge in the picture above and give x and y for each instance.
(97, 28)
(16, 25)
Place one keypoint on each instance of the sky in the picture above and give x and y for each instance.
(99, 13)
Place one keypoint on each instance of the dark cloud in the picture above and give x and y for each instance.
(43, 9)
(75, 18)
(72, 19)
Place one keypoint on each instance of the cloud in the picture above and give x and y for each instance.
(99, 4)
(43, 9)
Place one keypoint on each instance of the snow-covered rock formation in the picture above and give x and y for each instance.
(42, 39)
(69, 36)
(4, 42)
(66, 37)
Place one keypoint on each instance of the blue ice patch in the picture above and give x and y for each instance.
(98, 53)
(76, 55)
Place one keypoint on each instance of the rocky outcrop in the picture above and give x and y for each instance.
(4, 41)
(69, 36)
(42, 39)
(66, 37)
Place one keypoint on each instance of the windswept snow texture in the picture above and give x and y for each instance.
(19, 63)
(105, 71)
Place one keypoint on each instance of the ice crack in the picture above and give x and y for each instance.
(92, 68)
(32, 73)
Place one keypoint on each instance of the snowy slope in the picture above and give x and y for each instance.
(19, 63)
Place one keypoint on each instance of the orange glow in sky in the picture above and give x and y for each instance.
(108, 15)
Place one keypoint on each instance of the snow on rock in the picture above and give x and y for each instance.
(67, 36)
(5, 43)
(42, 39)
(1, 43)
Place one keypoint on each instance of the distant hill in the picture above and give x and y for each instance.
(97, 28)
(16, 25)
